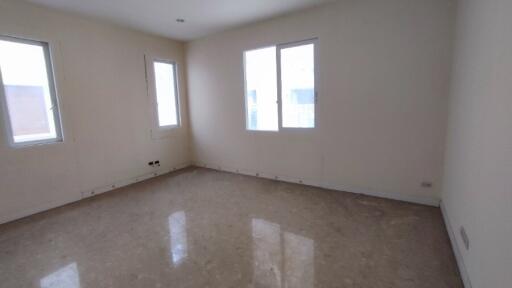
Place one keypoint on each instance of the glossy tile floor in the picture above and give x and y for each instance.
(203, 228)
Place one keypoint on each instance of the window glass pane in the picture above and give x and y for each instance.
(166, 94)
(298, 86)
(261, 89)
(27, 90)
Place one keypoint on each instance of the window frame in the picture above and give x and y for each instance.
(50, 75)
(151, 85)
(246, 105)
(279, 83)
(279, 47)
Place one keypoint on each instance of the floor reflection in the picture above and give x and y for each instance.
(66, 277)
(178, 237)
(267, 253)
(281, 259)
(299, 261)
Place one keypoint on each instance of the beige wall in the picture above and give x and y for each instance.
(105, 111)
(383, 85)
(384, 78)
(477, 193)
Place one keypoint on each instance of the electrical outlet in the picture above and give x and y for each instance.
(152, 163)
(464, 237)
(426, 184)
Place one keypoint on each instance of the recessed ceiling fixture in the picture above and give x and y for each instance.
(180, 20)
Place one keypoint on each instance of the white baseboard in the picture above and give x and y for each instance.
(456, 248)
(126, 182)
(34, 210)
(87, 194)
(430, 201)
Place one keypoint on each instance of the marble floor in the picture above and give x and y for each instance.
(203, 228)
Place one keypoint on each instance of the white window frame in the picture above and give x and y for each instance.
(279, 47)
(53, 96)
(245, 92)
(279, 83)
(157, 130)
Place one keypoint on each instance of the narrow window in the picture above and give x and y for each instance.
(28, 92)
(166, 93)
(298, 86)
(260, 89)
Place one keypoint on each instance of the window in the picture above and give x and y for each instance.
(280, 87)
(298, 86)
(260, 89)
(166, 93)
(28, 92)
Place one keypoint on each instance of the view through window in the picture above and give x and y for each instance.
(298, 86)
(294, 73)
(261, 92)
(166, 93)
(29, 95)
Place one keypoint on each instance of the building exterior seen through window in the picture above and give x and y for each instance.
(290, 67)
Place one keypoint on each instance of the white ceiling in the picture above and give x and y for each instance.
(202, 17)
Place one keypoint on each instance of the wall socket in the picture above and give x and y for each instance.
(426, 184)
(464, 237)
(154, 163)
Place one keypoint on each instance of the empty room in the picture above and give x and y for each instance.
(255, 143)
